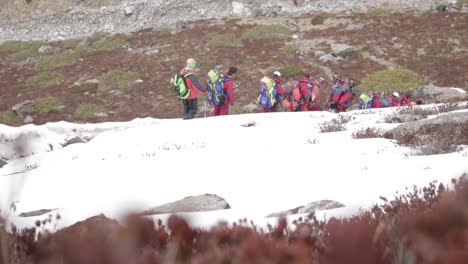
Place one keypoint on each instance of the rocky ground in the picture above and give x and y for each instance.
(125, 76)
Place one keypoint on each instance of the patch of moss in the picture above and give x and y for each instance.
(87, 111)
(224, 40)
(117, 79)
(59, 60)
(21, 50)
(319, 20)
(388, 81)
(379, 12)
(289, 49)
(71, 43)
(109, 44)
(462, 2)
(291, 71)
(46, 105)
(7, 117)
(44, 79)
(266, 32)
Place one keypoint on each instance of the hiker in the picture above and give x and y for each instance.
(405, 100)
(292, 99)
(395, 99)
(304, 88)
(335, 92)
(228, 87)
(344, 100)
(269, 92)
(376, 100)
(280, 91)
(191, 104)
(315, 95)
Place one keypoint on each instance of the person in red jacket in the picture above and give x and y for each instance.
(405, 100)
(228, 87)
(191, 104)
(304, 87)
(376, 100)
(395, 99)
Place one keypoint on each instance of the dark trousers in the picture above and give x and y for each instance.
(190, 108)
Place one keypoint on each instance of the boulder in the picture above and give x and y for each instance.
(342, 50)
(438, 93)
(410, 128)
(86, 86)
(2, 163)
(128, 11)
(251, 107)
(21, 108)
(199, 203)
(311, 207)
(28, 120)
(240, 9)
(330, 58)
(354, 27)
(46, 49)
(74, 140)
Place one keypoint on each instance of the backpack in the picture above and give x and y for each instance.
(365, 101)
(386, 101)
(215, 87)
(179, 85)
(267, 97)
(293, 95)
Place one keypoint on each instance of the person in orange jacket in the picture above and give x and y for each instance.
(194, 86)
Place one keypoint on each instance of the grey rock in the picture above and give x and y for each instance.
(101, 114)
(354, 27)
(21, 108)
(199, 203)
(410, 128)
(330, 58)
(251, 107)
(36, 213)
(86, 86)
(2, 163)
(28, 120)
(46, 49)
(311, 207)
(74, 140)
(319, 53)
(128, 11)
(342, 50)
(438, 93)
(403, 118)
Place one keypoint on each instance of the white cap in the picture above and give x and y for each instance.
(396, 94)
(277, 73)
(321, 79)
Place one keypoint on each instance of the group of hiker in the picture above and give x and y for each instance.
(296, 95)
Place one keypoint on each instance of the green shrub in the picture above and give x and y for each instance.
(21, 50)
(44, 79)
(46, 105)
(462, 2)
(71, 43)
(117, 79)
(224, 40)
(7, 117)
(266, 31)
(379, 12)
(291, 71)
(88, 111)
(99, 35)
(109, 44)
(391, 80)
(59, 60)
(319, 20)
(289, 49)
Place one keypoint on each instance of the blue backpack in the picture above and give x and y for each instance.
(386, 102)
(215, 87)
(267, 97)
(365, 101)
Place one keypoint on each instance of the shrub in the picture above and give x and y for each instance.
(391, 80)
(21, 50)
(436, 139)
(44, 79)
(7, 117)
(289, 49)
(59, 60)
(224, 40)
(370, 132)
(71, 43)
(266, 31)
(46, 105)
(291, 71)
(117, 79)
(109, 44)
(335, 125)
(379, 12)
(319, 20)
(88, 111)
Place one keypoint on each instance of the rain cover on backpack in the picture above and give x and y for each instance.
(365, 101)
(267, 97)
(179, 86)
(386, 101)
(215, 87)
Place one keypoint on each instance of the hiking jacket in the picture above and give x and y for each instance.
(345, 101)
(280, 90)
(395, 101)
(404, 100)
(228, 89)
(192, 83)
(376, 101)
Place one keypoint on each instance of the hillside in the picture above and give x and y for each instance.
(130, 72)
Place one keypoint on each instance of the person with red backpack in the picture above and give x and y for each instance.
(376, 100)
(228, 87)
(315, 95)
(405, 100)
(304, 88)
(395, 99)
(194, 86)
(280, 91)
(335, 93)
